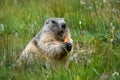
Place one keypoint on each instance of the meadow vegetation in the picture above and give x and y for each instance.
(94, 27)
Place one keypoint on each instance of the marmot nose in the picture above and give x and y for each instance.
(63, 26)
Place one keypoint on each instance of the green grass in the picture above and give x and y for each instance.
(93, 24)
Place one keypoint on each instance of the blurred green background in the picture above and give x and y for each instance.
(94, 27)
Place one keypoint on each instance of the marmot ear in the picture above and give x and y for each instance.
(53, 21)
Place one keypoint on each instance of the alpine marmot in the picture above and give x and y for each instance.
(49, 43)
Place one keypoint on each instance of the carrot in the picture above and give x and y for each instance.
(66, 40)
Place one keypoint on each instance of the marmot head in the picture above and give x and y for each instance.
(56, 27)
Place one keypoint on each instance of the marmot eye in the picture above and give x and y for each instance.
(63, 26)
(53, 21)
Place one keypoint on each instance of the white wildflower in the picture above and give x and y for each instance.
(16, 34)
(111, 24)
(104, 1)
(80, 22)
(115, 74)
(2, 27)
(82, 2)
(111, 40)
(113, 27)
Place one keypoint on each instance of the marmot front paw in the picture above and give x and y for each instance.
(68, 46)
